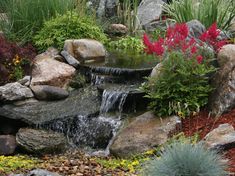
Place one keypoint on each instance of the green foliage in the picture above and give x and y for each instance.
(180, 88)
(158, 33)
(25, 17)
(78, 81)
(206, 11)
(11, 163)
(68, 26)
(184, 159)
(128, 44)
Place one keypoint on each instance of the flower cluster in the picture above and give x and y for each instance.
(177, 39)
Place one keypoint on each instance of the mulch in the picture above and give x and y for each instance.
(203, 123)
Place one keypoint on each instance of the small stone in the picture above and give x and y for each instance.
(25, 81)
(70, 59)
(7, 144)
(45, 92)
(118, 29)
(14, 91)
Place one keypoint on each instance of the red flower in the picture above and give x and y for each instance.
(193, 49)
(158, 47)
(199, 59)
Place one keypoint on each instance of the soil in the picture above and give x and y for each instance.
(203, 123)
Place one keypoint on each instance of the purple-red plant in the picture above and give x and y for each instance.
(177, 39)
(13, 55)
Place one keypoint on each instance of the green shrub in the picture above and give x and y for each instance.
(206, 11)
(184, 159)
(181, 88)
(25, 17)
(68, 26)
(132, 44)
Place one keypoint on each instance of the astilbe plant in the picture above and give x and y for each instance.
(185, 159)
(14, 60)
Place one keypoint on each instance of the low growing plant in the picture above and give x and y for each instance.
(185, 159)
(129, 43)
(68, 26)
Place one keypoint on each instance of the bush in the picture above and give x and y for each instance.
(183, 159)
(25, 17)
(14, 60)
(181, 87)
(132, 44)
(206, 11)
(68, 26)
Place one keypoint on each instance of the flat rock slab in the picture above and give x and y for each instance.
(80, 102)
(14, 91)
(40, 141)
(221, 138)
(143, 133)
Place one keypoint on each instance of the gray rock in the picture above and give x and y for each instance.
(70, 59)
(156, 70)
(220, 138)
(14, 91)
(48, 71)
(223, 97)
(45, 92)
(25, 81)
(7, 144)
(40, 141)
(196, 28)
(143, 133)
(85, 49)
(80, 102)
(149, 10)
(41, 172)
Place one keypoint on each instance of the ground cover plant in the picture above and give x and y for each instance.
(24, 17)
(181, 86)
(67, 26)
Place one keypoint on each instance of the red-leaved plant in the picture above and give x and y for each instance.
(13, 56)
(177, 39)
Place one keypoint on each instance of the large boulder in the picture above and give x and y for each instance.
(222, 137)
(45, 92)
(149, 10)
(48, 71)
(7, 144)
(143, 133)
(85, 49)
(14, 91)
(40, 141)
(223, 97)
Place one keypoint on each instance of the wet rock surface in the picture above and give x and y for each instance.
(143, 133)
(80, 102)
(70, 59)
(14, 91)
(40, 141)
(45, 92)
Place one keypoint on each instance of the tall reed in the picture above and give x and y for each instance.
(26, 17)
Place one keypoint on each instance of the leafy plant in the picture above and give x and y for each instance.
(206, 11)
(68, 26)
(25, 17)
(15, 60)
(128, 44)
(78, 81)
(127, 14)
(184, 159)
(181, 87)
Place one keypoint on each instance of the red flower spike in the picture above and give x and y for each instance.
(199, 59)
